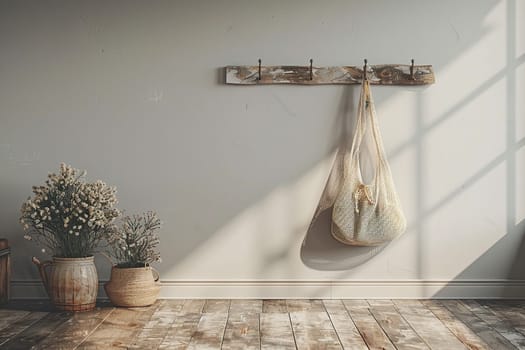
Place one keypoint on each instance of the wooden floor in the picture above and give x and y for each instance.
(270, 324)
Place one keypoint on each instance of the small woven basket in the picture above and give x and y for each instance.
(133, 287)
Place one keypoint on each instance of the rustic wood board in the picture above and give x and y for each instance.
(481, 328)
(458, 328)
(370, 330)
(74, 331)
(19, 325)
(246, 306)
(499, 323)
(216, 306)
(386, 74)
(242, 329)
(180, 333)
(349, 324)
(41, 329)
(276, 331)
(119, 329)
(155, 327)
(428, 326)
(397, 329)
(510, 310)
(314, 305)
(193, 306)
(380, 302)
(314, 330)
(274, 305)
(344, 326)
(209, 332)
(489, 335)
(7, 317)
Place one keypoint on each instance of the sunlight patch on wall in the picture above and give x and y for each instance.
(483, 59)
(395, 111)
(520, 102)
(520, 185)
(463, 145)
(469, 224)
(263, 240)
(520, 28)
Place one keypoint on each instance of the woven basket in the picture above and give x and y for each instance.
(133, 287)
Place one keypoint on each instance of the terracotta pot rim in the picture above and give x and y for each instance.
(87, 258)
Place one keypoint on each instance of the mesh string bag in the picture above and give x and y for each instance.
(367, 214)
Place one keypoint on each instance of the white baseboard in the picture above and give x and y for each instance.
(315, 289)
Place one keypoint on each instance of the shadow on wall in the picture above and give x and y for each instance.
(512, 287)
(513, 241)
(320, 251)
(227, 164)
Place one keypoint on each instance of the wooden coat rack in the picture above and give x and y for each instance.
(386, 74)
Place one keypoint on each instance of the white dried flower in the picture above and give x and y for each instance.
(54, 210)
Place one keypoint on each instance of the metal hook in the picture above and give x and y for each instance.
(412, 70)
(259, 77)
(311, 69)
(365, 69)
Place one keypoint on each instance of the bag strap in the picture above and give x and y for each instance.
(351, 161)
(381, 154)
(366, 117)
(364, 110)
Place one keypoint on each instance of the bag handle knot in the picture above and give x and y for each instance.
(364, 190)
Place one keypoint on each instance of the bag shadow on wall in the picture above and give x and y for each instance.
(319, 249)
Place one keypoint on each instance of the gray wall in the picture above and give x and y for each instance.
(132, 91)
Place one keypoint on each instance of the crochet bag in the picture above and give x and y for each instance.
(367, 214)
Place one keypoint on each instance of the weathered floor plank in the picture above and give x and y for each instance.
(314, 330)
(276, 331)
(193, 306)
(216, 306)
(119, 329)
(458, 328)
(7, 317)
(19, 325)
(397, 329)
(344, 326)
(156, 327)
(370, 330)
(271, 324)
(481, 328)
(242, 329)
(31, 336)
(246, 306)
(75, 330)
(295, 305)
(500, 324)
(428, 326)
(180, 333)
(511, 310)
(274, 305)
(209, 332)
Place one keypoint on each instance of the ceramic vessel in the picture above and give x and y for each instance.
(71, 283)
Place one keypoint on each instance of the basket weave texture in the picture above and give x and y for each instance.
(133, 287)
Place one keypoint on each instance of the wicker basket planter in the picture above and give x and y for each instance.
(133, 287)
